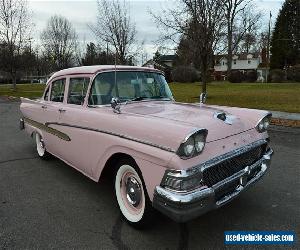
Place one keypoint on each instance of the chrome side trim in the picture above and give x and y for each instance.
(114, 134)
(47, 129)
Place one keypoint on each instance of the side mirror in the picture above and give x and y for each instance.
(116, 105)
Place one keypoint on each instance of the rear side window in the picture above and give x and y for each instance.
(77, 90)
(57, 90)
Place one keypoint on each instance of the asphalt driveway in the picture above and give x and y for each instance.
(46, 204)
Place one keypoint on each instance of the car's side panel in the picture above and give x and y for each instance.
(89, 150)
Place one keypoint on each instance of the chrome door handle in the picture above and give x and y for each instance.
(62, 110)
(44, 107)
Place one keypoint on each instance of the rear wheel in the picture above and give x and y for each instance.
(40, 146)
(131, 194)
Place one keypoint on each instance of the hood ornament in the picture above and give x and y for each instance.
(203, 98)
(227, 118)
(116, 105)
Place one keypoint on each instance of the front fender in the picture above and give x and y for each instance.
(151, 161)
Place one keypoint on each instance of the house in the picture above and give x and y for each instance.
(243, 62)
(164, 63)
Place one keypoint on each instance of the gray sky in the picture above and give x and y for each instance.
(82, 12)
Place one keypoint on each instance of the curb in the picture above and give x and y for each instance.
(285, 115)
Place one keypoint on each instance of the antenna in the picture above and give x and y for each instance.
(116, 84)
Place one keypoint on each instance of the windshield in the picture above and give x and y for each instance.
(130, 86)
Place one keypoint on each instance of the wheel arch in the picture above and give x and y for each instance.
(109, 167)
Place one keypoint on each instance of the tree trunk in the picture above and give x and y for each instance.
(204, 81)
(204, 86)
(229, 51)
(14, 81)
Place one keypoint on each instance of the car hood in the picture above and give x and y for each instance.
(196, 116)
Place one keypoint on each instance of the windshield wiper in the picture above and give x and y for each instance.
(160, 97)
(139, 98)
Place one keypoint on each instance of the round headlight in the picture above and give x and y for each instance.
(189, 146)
(199, 142)
(266, 124)
(193, 144)
(261, 126)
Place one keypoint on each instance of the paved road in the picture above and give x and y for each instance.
(46, 204)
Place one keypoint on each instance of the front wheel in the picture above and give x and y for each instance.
(40, 146)
(131, 195)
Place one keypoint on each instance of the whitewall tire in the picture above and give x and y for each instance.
(131, 194)
(40, 146)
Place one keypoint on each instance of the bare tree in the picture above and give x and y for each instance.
(115, 28)
(241, 18)
(263, 40)
(200, 23)
(15, 29)
(59, 40)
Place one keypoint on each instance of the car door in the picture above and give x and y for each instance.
(54, 108)
(76, 151)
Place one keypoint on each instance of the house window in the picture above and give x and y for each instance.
(234, 61)
(249, 62)
(223, 63)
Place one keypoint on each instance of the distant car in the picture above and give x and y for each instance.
(182, 159)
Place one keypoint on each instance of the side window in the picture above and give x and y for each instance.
(46, 96)
(77, 90)
(57, 90)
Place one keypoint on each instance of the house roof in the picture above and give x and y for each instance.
(160, 65)
(241, 56)
(167, 58)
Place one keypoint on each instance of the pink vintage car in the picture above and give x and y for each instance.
(181, 159)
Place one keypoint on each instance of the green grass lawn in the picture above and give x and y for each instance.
(23, 90)
(269, 96)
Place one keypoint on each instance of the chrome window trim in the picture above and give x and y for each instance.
(92, 79)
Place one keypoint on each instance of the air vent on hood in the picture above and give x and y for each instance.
(227, 118)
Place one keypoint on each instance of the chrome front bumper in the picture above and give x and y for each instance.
(184, 206)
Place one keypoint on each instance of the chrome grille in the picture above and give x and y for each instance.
(225, 169)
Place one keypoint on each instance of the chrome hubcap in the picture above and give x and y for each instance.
(133, 191)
